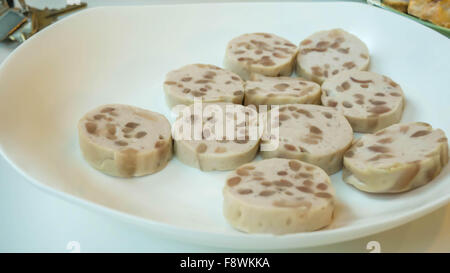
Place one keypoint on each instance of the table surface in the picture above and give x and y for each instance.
(34, 221)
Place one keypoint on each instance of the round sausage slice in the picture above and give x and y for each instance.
(368, 100)
(315, 134)
(219, 136)
(278, 196)
(261, 90)
(327, 53)
(204, 82)
(396, 159)
(122, 140)
(262, 53)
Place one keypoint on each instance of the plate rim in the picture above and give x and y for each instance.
(180, 233)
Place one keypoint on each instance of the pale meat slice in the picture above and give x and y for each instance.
(368, 100)
(122, 140)
(201, 144)
(262, 53)
(278, 196)
(327, 53)
(315, 134)
(396, 159)
(204, 82)
(262, 90)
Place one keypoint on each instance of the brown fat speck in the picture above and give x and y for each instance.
(323, 44)
(379, 94)
(107, 109)
(315, 130)
(308, 183)
(140, 134)
(349, 65)
(197, 93)
(335, 45)
(170, 82)
(304, 189)
(132, 125)
(322, 186)
(380, 109)
(308, 50)
(290, 147)
(282, 173)
(283, 117)
(209, 75)
(305, 112)
(91, 127)
(306, 42)
(238, 93)
(364, 86)
(201, 81)
(283, 183)
(360, 81)
(289, 44)
(323, 195)
(420, 133)
(278, 55)
(266, 193)
(332, 103)
(327, 115)
(344, 50)
(347, 104)
(201, 148)
(99, 116)
(442, 139)
(294, 165)
(127, 130)
(404, 128)
(393, 84)
(121, 143)
(303, 175)
(364, 56)
(266, 183)
(379, 149)
(245, 191)
(395, 94)
(385, 140)
(242, 172)
(281, 86)
(239, 52)
(335, 72)
(231, 182)
(266, 62)
(235, 78)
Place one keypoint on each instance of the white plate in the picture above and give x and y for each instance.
(120, 55)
